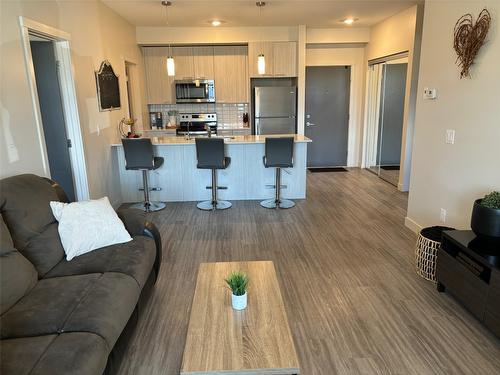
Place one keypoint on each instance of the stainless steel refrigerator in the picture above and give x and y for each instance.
(275, 110)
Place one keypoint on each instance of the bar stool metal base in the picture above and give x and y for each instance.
(214, 203)
(209, 205)
(149, 207)
(277, 201)
(283, 203)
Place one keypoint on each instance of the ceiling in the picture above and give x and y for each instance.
(313, 13)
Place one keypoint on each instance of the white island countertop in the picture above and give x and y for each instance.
(236, 139)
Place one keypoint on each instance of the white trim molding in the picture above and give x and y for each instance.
(62, 48)
(412, 225)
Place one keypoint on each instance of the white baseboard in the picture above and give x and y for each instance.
(412, 225)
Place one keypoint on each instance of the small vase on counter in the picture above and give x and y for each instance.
(172, 118)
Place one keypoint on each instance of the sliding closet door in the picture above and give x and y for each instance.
(391, 120)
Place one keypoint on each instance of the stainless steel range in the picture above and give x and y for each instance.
(197, 124)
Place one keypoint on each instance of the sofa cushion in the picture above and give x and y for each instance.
(77, 353)
(24, 204)
(95, 303)
(6, 243)
(19, 356)
(17, 274)
(134, 258)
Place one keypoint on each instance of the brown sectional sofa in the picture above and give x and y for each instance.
(60, 317)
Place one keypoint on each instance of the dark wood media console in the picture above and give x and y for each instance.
(469, 268)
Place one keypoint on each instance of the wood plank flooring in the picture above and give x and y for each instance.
(345, 265)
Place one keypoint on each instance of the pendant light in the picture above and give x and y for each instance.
(261, 59)
(170, 59)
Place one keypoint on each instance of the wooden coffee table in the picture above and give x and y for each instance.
(221, 340)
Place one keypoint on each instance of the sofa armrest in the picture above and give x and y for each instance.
(136, 223)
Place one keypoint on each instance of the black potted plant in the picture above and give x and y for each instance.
(485, 219)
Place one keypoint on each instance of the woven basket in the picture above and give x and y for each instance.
(425, 257)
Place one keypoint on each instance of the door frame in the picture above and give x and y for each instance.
(372, 109)
(61, 41)
(135, 92)
(350, 124)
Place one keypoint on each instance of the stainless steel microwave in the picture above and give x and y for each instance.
(195, 91)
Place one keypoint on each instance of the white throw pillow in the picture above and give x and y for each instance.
(88, 225)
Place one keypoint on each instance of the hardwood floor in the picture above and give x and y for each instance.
(345, 265)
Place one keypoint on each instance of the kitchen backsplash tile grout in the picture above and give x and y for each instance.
(229, 115)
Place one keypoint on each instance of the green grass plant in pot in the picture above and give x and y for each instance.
(485, 221)
(238, 283)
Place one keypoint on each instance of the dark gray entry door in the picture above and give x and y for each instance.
(54, 126)
(327, 115)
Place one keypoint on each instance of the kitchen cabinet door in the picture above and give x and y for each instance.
(159, 86)
(184, 62)
(231, 74)
(254, 50)
(285, 59)
(203, 59)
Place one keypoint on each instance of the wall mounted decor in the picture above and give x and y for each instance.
(108, 88)
(469, 37)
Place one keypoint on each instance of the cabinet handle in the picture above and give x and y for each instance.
(279, 74)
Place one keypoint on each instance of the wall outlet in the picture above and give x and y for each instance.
(450, 136)
(430, 94)
(442, 215)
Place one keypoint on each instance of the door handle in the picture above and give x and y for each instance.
(310, 123)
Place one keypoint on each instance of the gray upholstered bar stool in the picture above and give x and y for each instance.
(210, 155)
(139, 157)
(279, 154)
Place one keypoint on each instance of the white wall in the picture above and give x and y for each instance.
(396, 34)
(97, 33)
(338, 35)
(452, 176)
(212, 35)
(353, 55)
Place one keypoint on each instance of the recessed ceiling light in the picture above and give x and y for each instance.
(216, 23)
(349, 21)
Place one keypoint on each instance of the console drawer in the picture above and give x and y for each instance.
(469, 288)
(492, 311)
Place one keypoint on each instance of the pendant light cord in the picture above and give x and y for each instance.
(167, 4)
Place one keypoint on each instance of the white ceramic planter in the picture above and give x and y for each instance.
(239, 302)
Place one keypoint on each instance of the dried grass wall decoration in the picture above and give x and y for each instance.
(469, 37)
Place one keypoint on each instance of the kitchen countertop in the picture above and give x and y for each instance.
(237, 139)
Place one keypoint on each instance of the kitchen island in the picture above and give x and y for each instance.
(245, 178)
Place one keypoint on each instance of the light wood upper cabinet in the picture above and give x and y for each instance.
(203, 61)
(254, 50)
(227, 65)
(231, 74)
(281, 58)
(184, 62)
(285, 59)
(159, 86)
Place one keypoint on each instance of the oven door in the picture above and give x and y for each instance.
(197, 91)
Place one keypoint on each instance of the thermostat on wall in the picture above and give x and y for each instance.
(430, 93)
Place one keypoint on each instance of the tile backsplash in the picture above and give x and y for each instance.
(229, 115)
